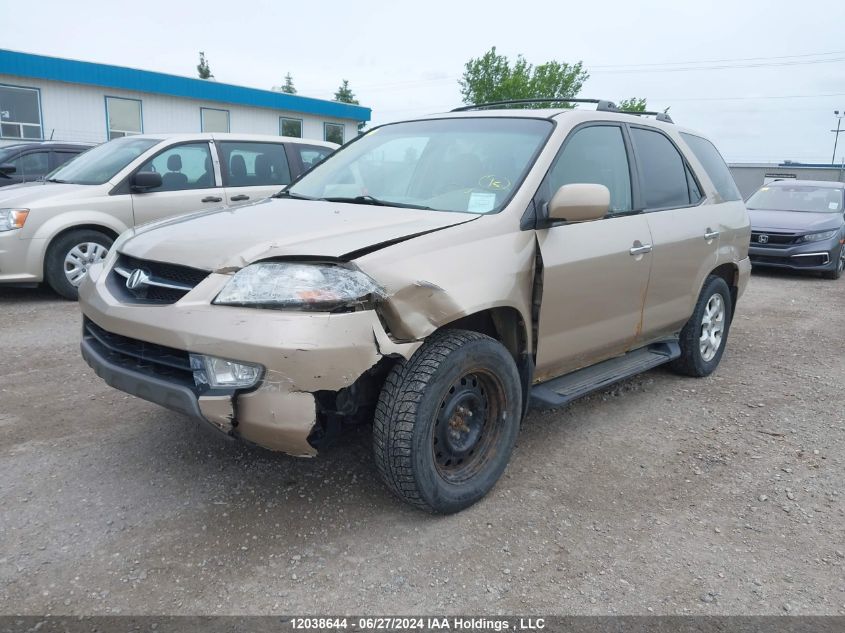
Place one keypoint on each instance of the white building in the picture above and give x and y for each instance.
(53, 98)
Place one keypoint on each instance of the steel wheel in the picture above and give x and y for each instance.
(80, 258)
(465, 428)
(712, 327)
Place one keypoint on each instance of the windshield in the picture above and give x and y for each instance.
(462, 164)
(804, 198)
(101, 163)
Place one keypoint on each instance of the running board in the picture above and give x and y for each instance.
(563, 390)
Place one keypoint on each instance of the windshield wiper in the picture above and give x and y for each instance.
(63, 182)
(377, 202)
(285, 193)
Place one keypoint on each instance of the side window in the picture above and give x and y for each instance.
(254, 164)
(32, 166)
(183, 167)
(694, 190)
(714, 165)
(663, 170)
(310, 155)
(595, 154)
(60, 158)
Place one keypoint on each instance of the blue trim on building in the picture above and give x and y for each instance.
(106, 76)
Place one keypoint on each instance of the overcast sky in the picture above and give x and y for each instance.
(761, 78)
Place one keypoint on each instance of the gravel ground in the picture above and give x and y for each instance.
(663, 495)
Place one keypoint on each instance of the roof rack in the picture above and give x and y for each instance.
(602, 105)
(660, 116)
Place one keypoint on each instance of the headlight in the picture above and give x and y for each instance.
(818, 237)
(12, 218)
(291, 285)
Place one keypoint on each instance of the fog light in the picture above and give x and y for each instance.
(219, 372)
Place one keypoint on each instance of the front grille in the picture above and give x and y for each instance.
(147, 358)
(161, 283)
(773, 239)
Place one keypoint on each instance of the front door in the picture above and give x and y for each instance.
(188, 183)
(252, 170)
(595, 274)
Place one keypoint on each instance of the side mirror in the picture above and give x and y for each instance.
(145, 180)
(7, 168)
(580, 203)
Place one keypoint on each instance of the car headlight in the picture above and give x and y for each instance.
(295, 285)
(818, 237)
(12, 219)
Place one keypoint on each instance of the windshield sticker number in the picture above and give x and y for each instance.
(481, 202)
(833, 206)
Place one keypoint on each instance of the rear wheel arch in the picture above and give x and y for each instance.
(730, 273)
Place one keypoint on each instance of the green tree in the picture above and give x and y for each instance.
(492, 77)
(344, 94)
(287, 87)
(203, 69)
(634, 104)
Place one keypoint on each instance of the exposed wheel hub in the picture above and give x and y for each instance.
(460, 424)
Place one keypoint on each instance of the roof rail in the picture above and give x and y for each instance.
(601, 104)
(660, 116)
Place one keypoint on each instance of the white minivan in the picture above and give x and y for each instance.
(54, 229)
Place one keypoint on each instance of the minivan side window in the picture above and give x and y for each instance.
(597, 155)
(310, 155)
(254, 164)
(663, 170)
(183, 167)
(714, 165)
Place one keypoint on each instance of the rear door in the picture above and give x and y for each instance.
(189, 182)
(253, 170)
(684, 229)
(595, 274)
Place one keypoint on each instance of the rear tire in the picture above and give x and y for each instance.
(69, 256)
(447, 420)
(705, 335)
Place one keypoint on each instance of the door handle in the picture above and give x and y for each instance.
(239, 197)
(710, 234)
(640, 249)
(212, 199)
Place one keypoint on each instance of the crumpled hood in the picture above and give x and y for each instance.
(40, 194)
(232, 238)
(763, 219)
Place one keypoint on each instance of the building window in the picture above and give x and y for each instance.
(214, 120)
(20, 113)
(123, 117)
(290, 127)
(333, 132)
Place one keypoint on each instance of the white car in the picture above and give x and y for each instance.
(53, 230)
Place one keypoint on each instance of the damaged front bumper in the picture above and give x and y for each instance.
(143, 350)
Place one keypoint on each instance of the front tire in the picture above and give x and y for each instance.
(69, 257)
(705, 335)
(447, 420)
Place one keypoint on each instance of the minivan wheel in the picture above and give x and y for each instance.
(704, 336)
(836, 273)
(69, 258)
(447, 420)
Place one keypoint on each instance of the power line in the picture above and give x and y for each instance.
(718, 61)
(722, 67)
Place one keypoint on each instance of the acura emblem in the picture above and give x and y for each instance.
(762, 238)
(137, 278)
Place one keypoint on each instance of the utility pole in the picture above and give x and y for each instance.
(836, 138)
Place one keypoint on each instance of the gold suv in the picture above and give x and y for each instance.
(433, 277)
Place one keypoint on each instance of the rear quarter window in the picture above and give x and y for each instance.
(714, 165)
